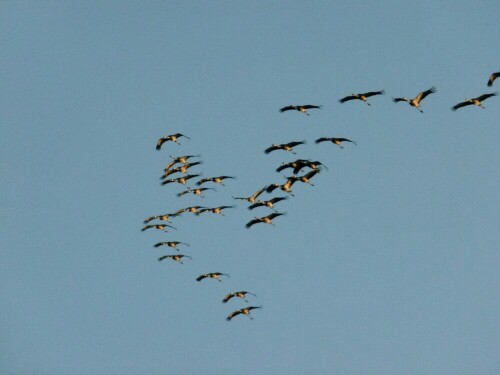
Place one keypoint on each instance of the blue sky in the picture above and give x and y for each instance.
(388, 265)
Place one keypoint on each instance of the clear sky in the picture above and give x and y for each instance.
(388, 265)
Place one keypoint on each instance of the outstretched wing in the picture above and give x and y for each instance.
(492, 78)
(288, 108)
(395, 100)
(228, 297)
(460, 105)
(346, 140)
(485, 96)
(233, 314)
(310, 106)
(322, 139)
(372, 93)
(421, 96)
(347, 98)
(252, 222)
(271, 148)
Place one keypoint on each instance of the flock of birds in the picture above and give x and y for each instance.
(178, 171)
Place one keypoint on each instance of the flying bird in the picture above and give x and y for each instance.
(212, 275)
(298, 164)
(253, 197)
(415, 102)
(336, 141)
(192, 209)
(269, 203)
(172, 244)
(285, 146)
(157, 226)
(244, 311)
(171, 138)
(361, 97)
(217, 180)
(240, 294)
(266, 219)
(492, 78)
(475, 101)
(300, 108)
(215, 210)
(180, 180)
(307, 177)
(197, 191)
(286, 187)
(182, 169)
(164, 217)
(176, 257)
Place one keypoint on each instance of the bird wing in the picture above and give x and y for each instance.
(296, 143)
(346, 140)
(271, 187)
(271, 148)
(372, 93)
(160, 142)
(347, 98)
(460, 105)
(283, 167)
(278, 199)
(274, 214)
(164, 257)
(492, 78)
(310, 106)
(201, 277)
(485, 96)
(159, 244)
(395, 100)
(233, 314)
(421, 96)
(287, 108)
(202, 181)
(322, 139)
(258, 204)
(228, 297)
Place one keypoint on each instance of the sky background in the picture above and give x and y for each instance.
(388, 265)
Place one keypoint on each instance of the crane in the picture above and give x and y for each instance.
(157, 226)
(212, 275)
(474, 101)
(197, 191)
(217, 180)
(300, 108)
(172, 244)
(415, 102)
(180, 180)
(336, 141)
(172, 138)
(266, 219)
(286, 187)
(176, 257)
(182, 169)
(298, 164)
(361, 97)
(215, 210)
(285, 146)
(241, 294)
(244, 311)
(307, 177)
(164, 217)
(492, 78)
(253, 197)
(192, 209)
(269, 203)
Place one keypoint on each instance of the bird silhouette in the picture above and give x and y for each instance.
(266, 219)
(474, 101)
(361, 97)
(300, 108)
(336, 141)
(212, 275)
(415, 102)
(171, 138)
(244, 311)
(241, 294)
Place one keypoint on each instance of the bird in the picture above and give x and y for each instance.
(307, 177)
(300, 108)
(217, 180)
(269, 203)
(241, 294)
(415, 102)
(475, 101)
(180, 180)
(182, 169)
(215, 210)
(164, 217)
(183, 159)
(244, 311)
(212, 275)
(172, 138)
(286, 187)
(157, 226)
(192, 209)
(266, 219)
(337, 141)
(285, 146)
(172, 244)
(253, 197)
(176, 257)
(492, 78)
(298, 164)
(197, 191)
(361, 97)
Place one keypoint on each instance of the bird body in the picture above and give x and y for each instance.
(474, 101)
(180, 180)
(215, 210)
(197, 191)
(415, 102)
(361, 97)
(300, 108)
(172, 138)
(212, 275)
(241, 294)
(334, 140)
(244, 311)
